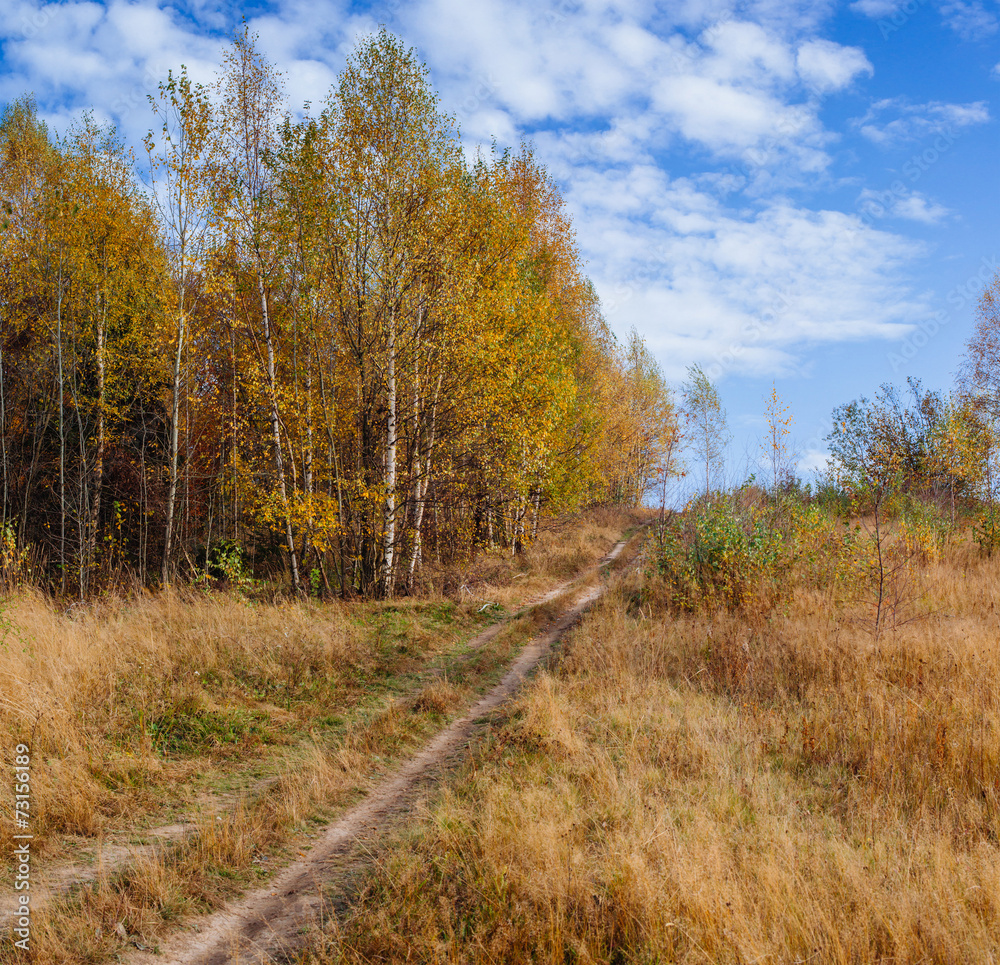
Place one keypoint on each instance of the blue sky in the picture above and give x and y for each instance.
(802, 192)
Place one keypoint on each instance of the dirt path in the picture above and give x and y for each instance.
(115, 852)
(269, 921)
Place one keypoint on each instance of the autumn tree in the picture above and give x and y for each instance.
(180, 162)
(888, 437)
(961, 445)
(86, 295)
(645, 432)
(247, 120)
(775, 445)
(708, 431)
(980, 371)
(113, 307)
(27, 155)
(981, 364)
(326, 344)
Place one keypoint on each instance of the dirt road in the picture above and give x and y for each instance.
(269, 922)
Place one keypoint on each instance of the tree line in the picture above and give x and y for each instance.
(326, 344)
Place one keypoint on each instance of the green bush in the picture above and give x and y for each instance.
(227, 561)
(986, 529)
(722, 550)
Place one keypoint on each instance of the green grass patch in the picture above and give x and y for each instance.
(188, 728)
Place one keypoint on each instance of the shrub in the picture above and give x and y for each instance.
(227, 561)
(721, 550)
(922, 526)
(986, 529)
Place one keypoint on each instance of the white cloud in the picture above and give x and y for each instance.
(911, 205)
(701, 278)
(876, 8)
(970, 19)
(745, 53)
(917, 208)
(789, 17)
(725, 118)
(76, 56)
(914, 121)
(734, 88)
(545, 63)
(826, 66)
(747, 291)
(813, 462)
(715, 267)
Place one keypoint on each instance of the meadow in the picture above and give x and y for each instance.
(730, 763)
(185, 743)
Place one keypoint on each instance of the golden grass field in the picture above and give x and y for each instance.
(728, 787)
(767, 783)
(246, 722)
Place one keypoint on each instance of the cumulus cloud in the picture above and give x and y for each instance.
(746, 53)
(728, 84)
(876, 8)
(78, 55)
(725, 118)
(826, 66)
(717, 266)
(745, 291)
(813, 463)
(917, 208)
(970, 19)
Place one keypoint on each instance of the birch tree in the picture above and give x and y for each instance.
(708, 431)
(250, 103)
(180, 165)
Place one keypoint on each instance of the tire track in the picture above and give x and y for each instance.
(113, 854)
(270, 920)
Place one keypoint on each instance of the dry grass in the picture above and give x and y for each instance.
(248, 719)
(714, 787)
(200, 668)
(121, 700)
(563, 548)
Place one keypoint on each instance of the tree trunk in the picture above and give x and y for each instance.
(388, 555)
(62, 434)
(307, 457)
(95, 507)
(423, 483)
(175, 414)
(3, 442)
(276, 433)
